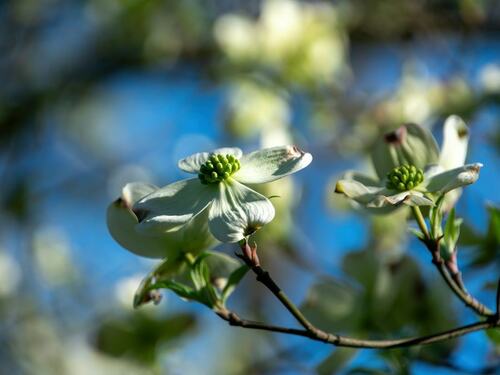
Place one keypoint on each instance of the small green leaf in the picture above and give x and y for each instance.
(181, 290)
(336, 361)
(332, 304)
(417, 233)
(494, 336)
(166, 270)
(436, 217)
(451, 234)
(233, 280)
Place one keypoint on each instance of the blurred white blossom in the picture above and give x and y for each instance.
(51, 250)
(303, 42)
(489, 78)
(10, 274)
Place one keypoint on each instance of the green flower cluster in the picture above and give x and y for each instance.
(218, 168)
(404, 178)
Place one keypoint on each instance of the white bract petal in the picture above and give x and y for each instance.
(121, 222)
(172, 206)
(193, 163)
(271, 164)
(238, 211)
(409, 144)
(386, 199)
(455, 140)
(133, 191)
(416, 198)
(196, 235)
(443, 182)
(357, 191)
(361, 178)
(377, 197)
(409, 198)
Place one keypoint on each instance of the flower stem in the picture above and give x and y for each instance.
(420, 221)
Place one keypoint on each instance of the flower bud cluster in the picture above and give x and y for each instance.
(404, 178)
(218, 168)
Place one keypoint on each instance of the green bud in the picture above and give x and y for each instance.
(218, 168)
(404, 178)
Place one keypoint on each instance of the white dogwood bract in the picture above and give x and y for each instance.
(192, 237)
(234, 210)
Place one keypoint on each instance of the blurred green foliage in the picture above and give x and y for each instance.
(139, 336)
(274, 58)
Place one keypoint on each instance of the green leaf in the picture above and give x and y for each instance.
(200, 274)
(489, 245)
(166, 270)
(336, 361)
(181, 290)
(332, 305)
(221, 265)
(494, 336)
(198, 281)
(233, 280)
(451, 234)
(137, 336)
(436, 217)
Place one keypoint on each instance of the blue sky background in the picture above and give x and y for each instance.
(140, 123)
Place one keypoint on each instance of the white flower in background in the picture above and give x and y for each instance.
(234, 210)
(236, 35)
(192, 237)
(10, 274)
(303, 42)
(489, 78)
(254, 107)
(125, 289)
(401, 179)
(52, 255)
(281, 26)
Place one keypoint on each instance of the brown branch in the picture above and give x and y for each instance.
(450, 272)
(343, 341)
(454, 281)
(249, 256)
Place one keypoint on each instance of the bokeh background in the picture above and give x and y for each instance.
(97, 93)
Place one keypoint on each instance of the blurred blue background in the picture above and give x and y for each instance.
(96, 94)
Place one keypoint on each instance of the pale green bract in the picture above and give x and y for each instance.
(233, 210)
(192, 237)
(445, 172)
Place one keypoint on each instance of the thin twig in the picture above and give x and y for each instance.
(454, 281)
(458, 289)
(264, 277)
(343, 341)
(312, 332)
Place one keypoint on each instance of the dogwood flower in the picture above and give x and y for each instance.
(192, 237)
(399, 164)
(234, 210)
